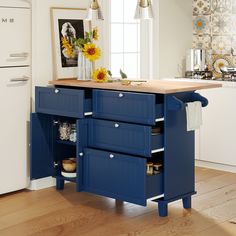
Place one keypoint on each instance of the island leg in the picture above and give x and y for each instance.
(187, 202)
(163, 208)
(59, 184)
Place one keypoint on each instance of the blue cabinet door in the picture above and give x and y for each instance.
(62, 102)
(126, 106)
(114, 175)
(41, 148)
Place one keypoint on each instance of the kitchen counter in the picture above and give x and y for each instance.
(223, 83)
(151, 86)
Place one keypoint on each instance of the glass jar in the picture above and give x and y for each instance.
(84, 67)
(73, 135)
(64, 131)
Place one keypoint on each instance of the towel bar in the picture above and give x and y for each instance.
(176, 104)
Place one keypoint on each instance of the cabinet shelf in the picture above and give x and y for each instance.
(60, 177)
(65, 142)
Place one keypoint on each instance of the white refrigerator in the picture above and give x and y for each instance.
(15, 89)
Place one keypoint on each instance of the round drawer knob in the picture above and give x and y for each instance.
(121, 95)
(117, 125)
(111, 156)
(81, 154)
(56, 90)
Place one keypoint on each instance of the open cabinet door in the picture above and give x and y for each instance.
(41, 153)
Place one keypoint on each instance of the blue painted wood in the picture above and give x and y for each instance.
(119, 176)
(179, 151)
(187, 202)
(126, 106)
(123, 137)
(82, 142)
(60, 183)
(41, 149)
(163, 204)
(62, 102)
(163, 209)
(175, 104)
(154, 185)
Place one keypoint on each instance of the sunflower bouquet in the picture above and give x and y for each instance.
(86, 45)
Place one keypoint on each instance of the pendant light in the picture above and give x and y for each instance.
(94, 11)
(144, 10)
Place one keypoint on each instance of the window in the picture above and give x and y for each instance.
(124, 38)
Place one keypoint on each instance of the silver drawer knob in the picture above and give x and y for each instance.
(56, 90)
(111, 156)
(121, 95)
(117, 125)
(81, 154)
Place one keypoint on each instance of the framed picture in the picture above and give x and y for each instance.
(67, 23)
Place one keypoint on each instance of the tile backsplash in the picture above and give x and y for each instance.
(214, 29)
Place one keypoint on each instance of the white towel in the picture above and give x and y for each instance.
(194, 115)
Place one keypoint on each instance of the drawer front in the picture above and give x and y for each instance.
(124, 106)
(117, 176)
(120, 137)
(62, 102)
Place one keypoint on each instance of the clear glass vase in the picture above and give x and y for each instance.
(84, 67)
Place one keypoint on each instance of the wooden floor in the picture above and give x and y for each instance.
(48, 212)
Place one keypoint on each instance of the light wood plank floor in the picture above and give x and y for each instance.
(51, 213)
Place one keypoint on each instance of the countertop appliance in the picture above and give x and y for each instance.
(196, 65)
(15, 72)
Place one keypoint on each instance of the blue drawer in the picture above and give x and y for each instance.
(124, 138)
(62, 102)
(120, 176)
(126, 106)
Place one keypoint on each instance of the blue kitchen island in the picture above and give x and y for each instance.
(120, 130)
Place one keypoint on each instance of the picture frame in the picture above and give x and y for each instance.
(69, 23)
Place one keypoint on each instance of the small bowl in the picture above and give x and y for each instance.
(69, 165)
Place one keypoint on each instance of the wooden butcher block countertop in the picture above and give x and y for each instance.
(151, 86)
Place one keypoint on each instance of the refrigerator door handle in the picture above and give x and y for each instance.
(20, 55)
(22, 79)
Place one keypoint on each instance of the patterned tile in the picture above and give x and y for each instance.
(234, 61)
(201, 25)
(220, 61)
(221, 6)
(221, 24)
(201, 7)
(202, 41)
(221, 44)
(233, 6)
(233, 31)
(234, 45)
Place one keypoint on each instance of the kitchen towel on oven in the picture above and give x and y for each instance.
(194, 115)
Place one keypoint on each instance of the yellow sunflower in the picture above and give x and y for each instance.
(91, 52)
(95, 33)
(100, 75)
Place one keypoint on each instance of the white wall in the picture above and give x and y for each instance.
(42, 66)
(175, 36)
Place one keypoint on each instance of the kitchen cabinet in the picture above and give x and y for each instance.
(218, 132)
(111, 152)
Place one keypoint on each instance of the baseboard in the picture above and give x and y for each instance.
(42, 183)
(215, 166)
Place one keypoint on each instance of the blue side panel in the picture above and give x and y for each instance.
(120, 137)
(41, 153)
(179, 149)
(62, 102)
(118, 176)
(124, 106)
(82, 142)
